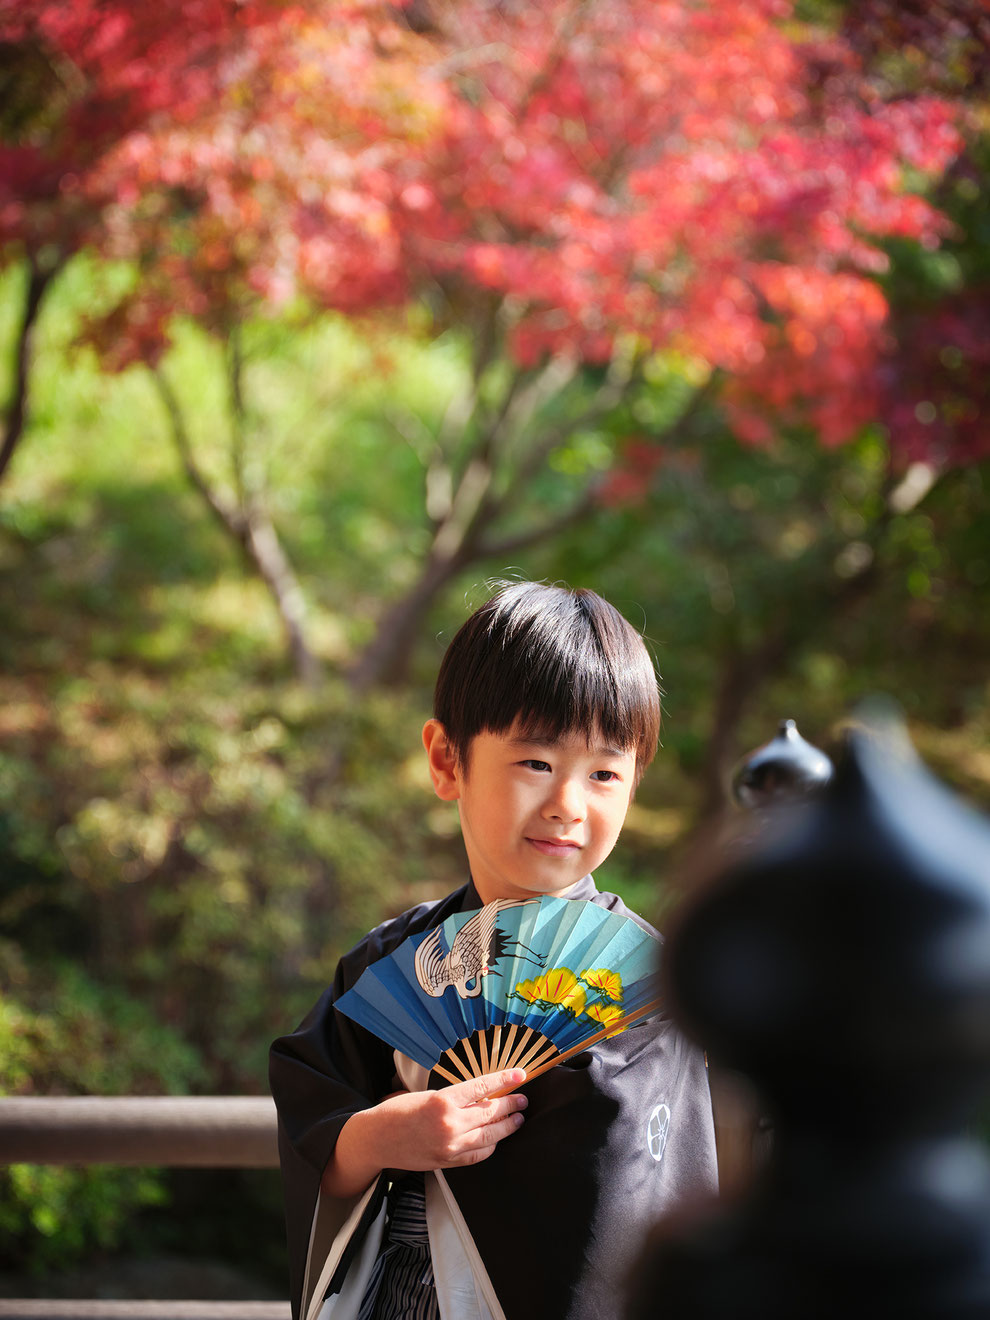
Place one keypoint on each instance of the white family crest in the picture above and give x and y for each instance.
(657, 1130)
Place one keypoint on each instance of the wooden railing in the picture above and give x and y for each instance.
(174, 1131)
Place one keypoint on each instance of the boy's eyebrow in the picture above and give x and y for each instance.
(546, 740)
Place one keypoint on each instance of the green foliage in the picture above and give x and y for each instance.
(62, 1032)
(51, 1218)
(207, 855)
(189, 838)
(184, 853)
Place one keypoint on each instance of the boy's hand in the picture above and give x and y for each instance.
(459, 1124)
(419, 1130)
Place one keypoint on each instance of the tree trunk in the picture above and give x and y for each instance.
(388, 657)
(745, 672)
(38, 282)
(742, 674)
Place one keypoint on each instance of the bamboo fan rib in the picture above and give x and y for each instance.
(522, 984)
(490, 1050)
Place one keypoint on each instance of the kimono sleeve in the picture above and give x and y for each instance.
(321, 1074)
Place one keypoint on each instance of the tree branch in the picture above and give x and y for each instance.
(235, 394)
(230, 517)
(562, 37)
(522, 540)
(469, 500)
(519, 411)
(249, 525)
(15, 421)
(746, 668)
(278, 575)
(607, 397)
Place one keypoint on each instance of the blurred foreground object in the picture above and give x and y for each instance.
(842, 962)
(781, 773)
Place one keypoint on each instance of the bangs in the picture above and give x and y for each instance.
(550, 662)
(561, 695)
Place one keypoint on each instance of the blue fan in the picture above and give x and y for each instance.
(517, 984)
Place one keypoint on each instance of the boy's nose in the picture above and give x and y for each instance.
(566, 803)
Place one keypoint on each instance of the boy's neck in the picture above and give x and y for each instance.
(583, 888)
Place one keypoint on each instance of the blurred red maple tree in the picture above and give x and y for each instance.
(710, 180)
(78, 80)
(575, 185)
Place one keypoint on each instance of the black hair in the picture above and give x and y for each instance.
(557, 661)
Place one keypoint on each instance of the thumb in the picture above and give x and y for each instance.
(489, 1084)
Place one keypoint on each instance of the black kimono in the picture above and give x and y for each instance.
(613, 1139)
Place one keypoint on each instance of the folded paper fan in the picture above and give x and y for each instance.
(517, 984)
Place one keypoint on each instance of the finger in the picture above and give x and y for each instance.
(486, 1087)
(484, 1113)
(483, 1140)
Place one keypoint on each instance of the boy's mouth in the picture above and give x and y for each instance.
(555, 847)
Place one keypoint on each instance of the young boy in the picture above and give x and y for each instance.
(546, 714)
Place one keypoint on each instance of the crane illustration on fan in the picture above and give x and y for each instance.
(517, 984)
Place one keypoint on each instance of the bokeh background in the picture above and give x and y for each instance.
(316, 319)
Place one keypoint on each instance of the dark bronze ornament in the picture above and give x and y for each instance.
(840, 959)
(785, 769)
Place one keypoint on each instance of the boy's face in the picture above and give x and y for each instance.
(536, 816)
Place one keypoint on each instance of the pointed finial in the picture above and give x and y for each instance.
(785, 769)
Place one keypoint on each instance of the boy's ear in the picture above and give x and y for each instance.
(443, 763)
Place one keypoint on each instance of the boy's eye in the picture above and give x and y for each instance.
(533, 764)
(603, 776)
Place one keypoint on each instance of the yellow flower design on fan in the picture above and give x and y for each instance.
(608, 1015)
(558, 987)
(606, 981)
